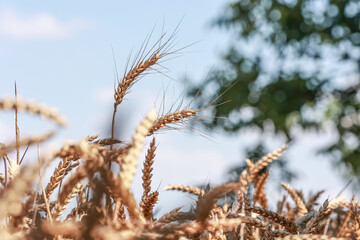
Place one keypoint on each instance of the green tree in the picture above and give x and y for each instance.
(296, 66)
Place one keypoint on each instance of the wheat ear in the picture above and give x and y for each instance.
(259, 195)
(60, 206)
(171, 118)
(189, 189)
(147, 170)
(264, 161)
(300, 204)
(286, 223)
(129, 163)
(31, 107)
(147, 205)
(314, 222)
(59, 174)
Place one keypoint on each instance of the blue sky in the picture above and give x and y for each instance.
(62, 55)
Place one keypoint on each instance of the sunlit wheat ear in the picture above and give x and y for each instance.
(183, 116)
(189, 189)
(144, 61)
(300, 204)
(265, 161)
(34, 108)
(129, 163)
(171, 118)
(248, 175)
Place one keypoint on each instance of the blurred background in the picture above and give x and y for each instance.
(295, 66)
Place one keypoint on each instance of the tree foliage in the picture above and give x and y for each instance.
(296, 65)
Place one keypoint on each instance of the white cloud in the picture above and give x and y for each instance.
(37, 26)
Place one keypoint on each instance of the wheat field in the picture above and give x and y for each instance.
(93, 177)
